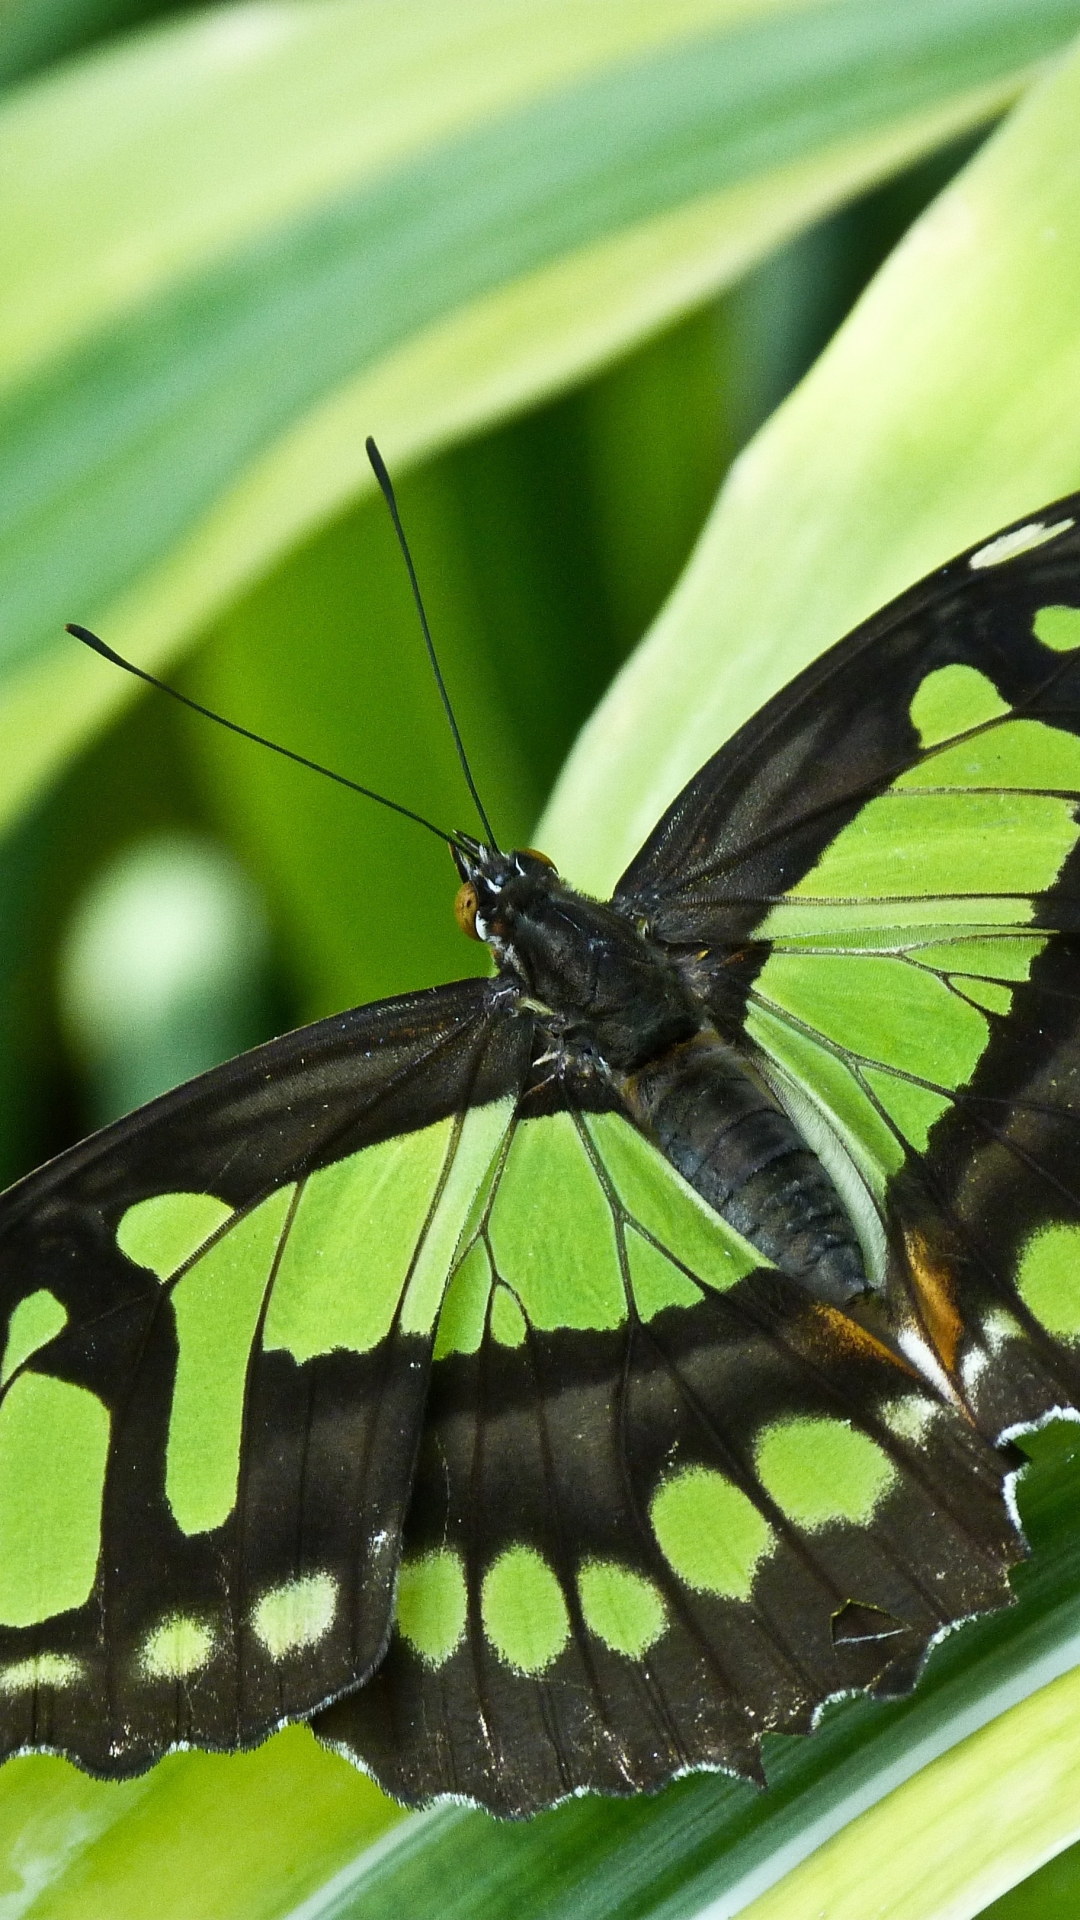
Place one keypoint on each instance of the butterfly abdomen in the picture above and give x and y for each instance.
(721, 1127)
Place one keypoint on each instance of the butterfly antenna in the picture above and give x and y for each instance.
(378, 467)
(91, 640)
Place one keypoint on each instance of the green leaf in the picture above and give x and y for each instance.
(943, 408)
(274, 1826)
(220, 274)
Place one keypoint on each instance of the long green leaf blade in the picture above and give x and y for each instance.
(202, 336)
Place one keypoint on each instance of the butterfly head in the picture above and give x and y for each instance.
(493, 884)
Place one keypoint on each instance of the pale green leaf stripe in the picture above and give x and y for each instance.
(211, 351)
(963, 1831)
(945, 407)
(151, 417)
(254, 1833)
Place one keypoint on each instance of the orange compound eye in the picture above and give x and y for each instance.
(466, 905)
(531, 853)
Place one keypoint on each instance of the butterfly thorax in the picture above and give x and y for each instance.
(614, 1001)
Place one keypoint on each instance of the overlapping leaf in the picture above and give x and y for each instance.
(237, 244)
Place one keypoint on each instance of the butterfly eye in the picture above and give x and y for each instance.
(466, 904)
(530, 853)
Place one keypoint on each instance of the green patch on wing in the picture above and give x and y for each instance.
(54, 1441)
(893, 956)
(524, 1610)
(622, 1608)
(1048, 1280)
(295, 1615)
(582, 1211)
(664, 1207)
(217, 1303)
(432, 1603)
(710, 1532)
(331, 1263)
(951, 700)
(818, 1470)
(351, 1245)
(1058, 628)
(977, 817)
(179, 1647)
(464, 1316)
(163, 1233)
(34, 1321)
(552, 1232)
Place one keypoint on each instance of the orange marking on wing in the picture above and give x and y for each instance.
(837, 1329)
(933, 1288)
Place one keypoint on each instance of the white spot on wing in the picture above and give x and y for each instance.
(296, 1614)
(1020, 540)
(909, 1418)
(973, 1366)
(998, 1328)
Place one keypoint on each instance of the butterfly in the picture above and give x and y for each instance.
(558, 1380)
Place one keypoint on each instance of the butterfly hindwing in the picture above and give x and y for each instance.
(219, 1322)
(883, 873)
(664, 1502)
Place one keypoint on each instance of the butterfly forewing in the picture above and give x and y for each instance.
(214, 1377)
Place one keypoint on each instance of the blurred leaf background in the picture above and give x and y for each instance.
(565, 258)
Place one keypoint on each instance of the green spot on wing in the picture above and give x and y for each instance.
(551, 1230)
(431, 1604)
(217, 1305)
(710, 1532)
(295, 1615)
(163, 1232)
(952, 699)
(1048, 1280)
(34, 1322)
(919, 845)
(54, 1440)
(667, 1207)
(1058, 627)
(351, 1245)
(819, 1470)
(178, 1647)
(624, 1609)
(933, 841)
(1000, 956)
(41, 1670)
(523, 1610)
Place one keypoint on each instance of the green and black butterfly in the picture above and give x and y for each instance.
(561, 1379)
